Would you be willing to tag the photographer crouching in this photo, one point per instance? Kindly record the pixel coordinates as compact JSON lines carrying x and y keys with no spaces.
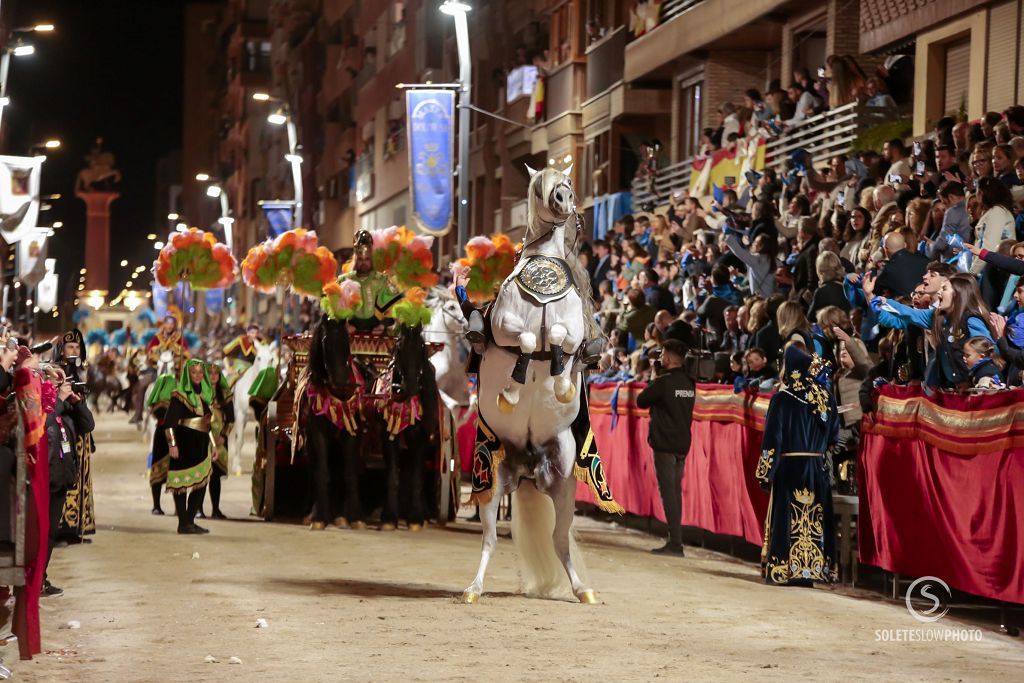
{"x":670,"y":397}
{"x":78,"y":517}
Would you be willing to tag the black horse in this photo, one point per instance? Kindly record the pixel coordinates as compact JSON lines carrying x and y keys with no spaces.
{"x":332,"y":449}
{"x":412,"y":376}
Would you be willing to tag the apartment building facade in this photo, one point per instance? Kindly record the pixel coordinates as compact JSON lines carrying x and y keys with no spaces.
{"x":581,"y":85}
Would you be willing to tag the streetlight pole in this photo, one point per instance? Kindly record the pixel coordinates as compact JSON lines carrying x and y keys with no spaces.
{"x":458,"y":10}
{"x":283,"y":117}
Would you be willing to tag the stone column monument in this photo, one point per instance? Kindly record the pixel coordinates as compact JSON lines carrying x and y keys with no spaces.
{"x":97,"y":187}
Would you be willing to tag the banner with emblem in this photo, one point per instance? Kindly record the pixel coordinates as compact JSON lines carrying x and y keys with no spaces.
{"x":279,"y":216}
{"x":46,"y":290}
{"x":430,"y":122}
{"x":32,"y":257}
{"x":19,"y":196}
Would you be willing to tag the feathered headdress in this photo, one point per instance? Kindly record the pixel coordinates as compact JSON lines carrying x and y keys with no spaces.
{"x":341,"y":299}
{"x":195,"y":257}
{"x":293,"y":259}
{"x":490,"y":260}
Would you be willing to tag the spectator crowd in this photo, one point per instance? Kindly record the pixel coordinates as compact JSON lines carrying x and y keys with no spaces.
{"x":901,"y":265}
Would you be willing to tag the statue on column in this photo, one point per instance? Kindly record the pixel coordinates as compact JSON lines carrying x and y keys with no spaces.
{"x":99,"y":175}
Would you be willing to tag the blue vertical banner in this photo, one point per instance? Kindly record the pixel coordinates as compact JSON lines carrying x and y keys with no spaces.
{"x":430,"y":121}
{"x":214,"y":301}
{"x":163,"y":299}
{"x":278,"y":215}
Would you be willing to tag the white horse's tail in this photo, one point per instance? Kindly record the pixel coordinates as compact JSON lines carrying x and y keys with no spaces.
{"x":533,"y":524}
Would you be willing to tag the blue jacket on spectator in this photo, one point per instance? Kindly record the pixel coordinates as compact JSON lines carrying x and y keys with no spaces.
{"x":954,"y":222}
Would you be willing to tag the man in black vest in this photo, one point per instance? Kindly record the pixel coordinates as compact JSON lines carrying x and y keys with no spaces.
{"x":670,"y":398}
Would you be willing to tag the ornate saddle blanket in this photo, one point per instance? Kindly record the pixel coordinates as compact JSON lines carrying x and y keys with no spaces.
{"x":544,"y":278}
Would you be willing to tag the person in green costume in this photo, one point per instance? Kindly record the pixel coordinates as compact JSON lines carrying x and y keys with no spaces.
{"x":187,"y":428}
{"x":378,"y":293}
{"x":159,"y":456}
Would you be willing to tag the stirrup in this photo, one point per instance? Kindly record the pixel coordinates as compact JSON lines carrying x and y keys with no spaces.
{"x":519,"y":372}
{"x":591,"y":353}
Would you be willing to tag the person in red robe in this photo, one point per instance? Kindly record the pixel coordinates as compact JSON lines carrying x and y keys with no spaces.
{"x":33,"y":395}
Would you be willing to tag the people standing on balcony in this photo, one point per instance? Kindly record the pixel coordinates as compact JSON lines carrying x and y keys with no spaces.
{"x":805,"y":103}
{"x":876,"y":96}
{"x":762,"y":111}
{"x":846,"y":79}
{"x":728,"y":124}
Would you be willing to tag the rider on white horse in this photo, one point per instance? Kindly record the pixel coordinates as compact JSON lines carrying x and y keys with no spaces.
{"x":533,"y":431}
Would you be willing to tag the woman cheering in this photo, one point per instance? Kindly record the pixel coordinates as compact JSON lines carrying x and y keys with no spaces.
{"x":187,"y":428}
{"x":222,"y":419}
{"x":801,"y":424}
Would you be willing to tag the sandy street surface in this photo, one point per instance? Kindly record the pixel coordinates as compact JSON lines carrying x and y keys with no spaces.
{"x":372,"y":606}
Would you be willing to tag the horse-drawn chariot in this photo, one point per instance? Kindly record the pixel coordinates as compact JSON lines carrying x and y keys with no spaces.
{"x":368,"y":454}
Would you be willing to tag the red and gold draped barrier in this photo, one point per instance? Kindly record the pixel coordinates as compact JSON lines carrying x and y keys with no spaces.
{"x":941,"y":489}
{"x":720,"y":493}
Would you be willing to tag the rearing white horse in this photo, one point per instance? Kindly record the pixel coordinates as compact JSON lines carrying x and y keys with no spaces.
{"x":538,"y":324}
{"x":266,"y":356}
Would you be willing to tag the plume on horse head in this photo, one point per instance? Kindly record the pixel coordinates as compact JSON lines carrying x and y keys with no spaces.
{"x":551,"y":201}
{"x":329,"y":353}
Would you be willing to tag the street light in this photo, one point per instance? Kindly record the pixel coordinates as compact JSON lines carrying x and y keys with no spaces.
{"x":261,"y":96}
{"x":278,"y":118}
{"x":52,"y":144}
{"x":43,"y":28}
{"x":17,"y":49}
{"x":458,"y":10}
{"x":172,"y":216}
{"x":23,"y":50}
{"x":293,"y":158}
{"x":213,"y":191}
{"x":201,"y":177}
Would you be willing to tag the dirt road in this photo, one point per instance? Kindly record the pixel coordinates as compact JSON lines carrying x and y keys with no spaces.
{"x":372,"y":606}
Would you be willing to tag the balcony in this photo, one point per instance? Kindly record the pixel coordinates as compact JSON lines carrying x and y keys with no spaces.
{"x":824,"y":136}
{"x":689,"y":25}
{"x":606,"y":61}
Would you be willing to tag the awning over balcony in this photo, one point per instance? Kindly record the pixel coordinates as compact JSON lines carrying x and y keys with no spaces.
{"x":697,"y":28}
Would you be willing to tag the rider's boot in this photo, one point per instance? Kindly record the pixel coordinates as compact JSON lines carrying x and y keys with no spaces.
{"x":591,"y":355}
{"x":476,"y":334}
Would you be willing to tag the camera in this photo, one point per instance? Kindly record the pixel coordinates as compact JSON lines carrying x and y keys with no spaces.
{"x":920,"y":167}
{"x":80,"y":388}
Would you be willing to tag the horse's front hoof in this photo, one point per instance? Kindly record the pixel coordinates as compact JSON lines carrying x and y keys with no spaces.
{"x":566,"y":395}
{"x":340,"y":522}
{"x":358,"y":526}
{"x":415,"y":527}
{"x":387,"y":526}
{"x":587,"y":597}
{"x":470,"y":598}
{"x":504,"y":405}
{"x":317,"y":526}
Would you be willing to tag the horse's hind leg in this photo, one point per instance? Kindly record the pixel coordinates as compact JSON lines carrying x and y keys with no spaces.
{"x":489,"y":522}
{"x":389,"y":516}
{"x":563,"y":495}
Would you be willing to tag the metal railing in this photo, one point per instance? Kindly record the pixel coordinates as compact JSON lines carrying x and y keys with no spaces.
{"x":823,"y":135}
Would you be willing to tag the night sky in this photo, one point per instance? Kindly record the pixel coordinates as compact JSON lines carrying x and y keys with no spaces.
{"x":113,"y":69}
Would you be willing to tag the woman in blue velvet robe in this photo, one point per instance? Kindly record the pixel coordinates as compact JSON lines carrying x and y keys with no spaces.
{"x":801,"y":423}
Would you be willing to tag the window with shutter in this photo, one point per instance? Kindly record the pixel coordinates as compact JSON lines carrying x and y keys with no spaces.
{"x":958,"y":63}
{"x":1002,"y":57}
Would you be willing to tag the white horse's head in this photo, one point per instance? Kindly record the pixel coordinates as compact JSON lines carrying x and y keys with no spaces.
{"x":551,"y":199}
{"x":266,"y":354}
{"x":165,"y":362}
{"x":446,"y":322}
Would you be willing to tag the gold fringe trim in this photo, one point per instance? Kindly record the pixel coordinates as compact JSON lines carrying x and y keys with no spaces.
{"x":610,"y":506}
{"x":484,"y":497}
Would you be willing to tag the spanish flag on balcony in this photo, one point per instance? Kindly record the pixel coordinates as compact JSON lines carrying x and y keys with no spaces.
{"x":727,"y":168}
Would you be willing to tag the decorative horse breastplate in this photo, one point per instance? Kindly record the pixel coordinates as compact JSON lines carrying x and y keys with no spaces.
{"x":544,"y":278}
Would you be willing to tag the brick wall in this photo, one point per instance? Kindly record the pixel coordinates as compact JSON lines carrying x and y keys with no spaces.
{"x":727,"y":75}
{"x":844,"y":34}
